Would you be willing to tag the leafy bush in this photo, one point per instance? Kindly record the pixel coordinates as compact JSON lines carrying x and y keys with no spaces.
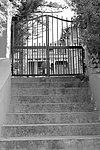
{"x":88,"y":16}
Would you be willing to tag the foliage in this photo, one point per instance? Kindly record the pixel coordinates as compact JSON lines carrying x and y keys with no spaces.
{"x":88,"y":16}
{"x":82,"y":77}
{"x":94,"y":63}
{"x":24,"y":8}
{"x":65,"y":35}
{"x":28,"y":7}
{"x":31,"y":9}
{"x":7,"y":7}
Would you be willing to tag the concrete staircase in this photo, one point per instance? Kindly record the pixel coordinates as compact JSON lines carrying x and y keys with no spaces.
{"x":50,"y":113}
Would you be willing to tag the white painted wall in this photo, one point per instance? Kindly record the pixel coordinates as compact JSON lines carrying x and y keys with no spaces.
{"x":94,"y":80}
{"x":3,"y":44}
{"x":5,"y":70}
{"x":5,"y":89}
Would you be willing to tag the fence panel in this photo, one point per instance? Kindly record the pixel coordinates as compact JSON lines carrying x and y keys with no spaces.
{"x":46,"y":45}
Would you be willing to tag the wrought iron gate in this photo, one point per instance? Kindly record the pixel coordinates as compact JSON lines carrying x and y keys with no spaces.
{"x":46,"y":45}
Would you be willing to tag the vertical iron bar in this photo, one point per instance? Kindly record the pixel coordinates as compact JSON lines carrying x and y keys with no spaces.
{"x":47,"y":45}
{"x":53,"y":62}
{"x":56,"y":55}
{"x":72,"y":33}
{"x":37,"y":45}
{"x":12,"y":46}
{"x":42,"y":30}
{"x":67,"y":34}
{"x":22,"y":50}
{"x":18,"y":67}
{"x":62,"y":45}
{"x":13,"y":33}
{"x":73,"y":61}
{"x":60,"y":55}
{"x":62,"y":31}
{"x":77,"y":34}
{"x":58,"y":58}
{"x":35,"y":57}
{"x":12,"y":67}
{"x":32,"y":65}
{"x":44,"y":53}
{"x":63,"y":59}
{"x":79,"y":60}
{"x":68,"y":61}
{"x":57,"y":32}
{"x":83,"y":57}
{"x":40,"y":54}
{"x":57,"y":45}
{"x":42,"y":39}
{"x":27,"y":56}
{"x":52,"y":32}
{"x":27,"y":49}
{"x":16,"y":61}
{"x":32,"y":31}
{"x":53,"y":44}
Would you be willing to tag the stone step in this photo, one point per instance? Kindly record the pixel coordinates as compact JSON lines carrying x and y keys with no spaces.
{"x":50,"y":113}
{"x":49,"y":91}
{"x":50,"y":84}
{"x":50,"y":107}
{"x":60,"y":143}
{"x":44,"y":79}
{"x":43,"y":130}
{"x":51,"y":118}
{"x":50,"y":98}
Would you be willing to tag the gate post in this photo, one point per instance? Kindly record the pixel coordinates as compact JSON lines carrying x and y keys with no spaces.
{"x":47,"y":45}
{"x":12,"y":46}
{"x":83,"y":58}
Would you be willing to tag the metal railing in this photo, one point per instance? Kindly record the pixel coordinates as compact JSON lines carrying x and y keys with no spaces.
{"x":61,"y":60}
{"x":46,"y":45}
